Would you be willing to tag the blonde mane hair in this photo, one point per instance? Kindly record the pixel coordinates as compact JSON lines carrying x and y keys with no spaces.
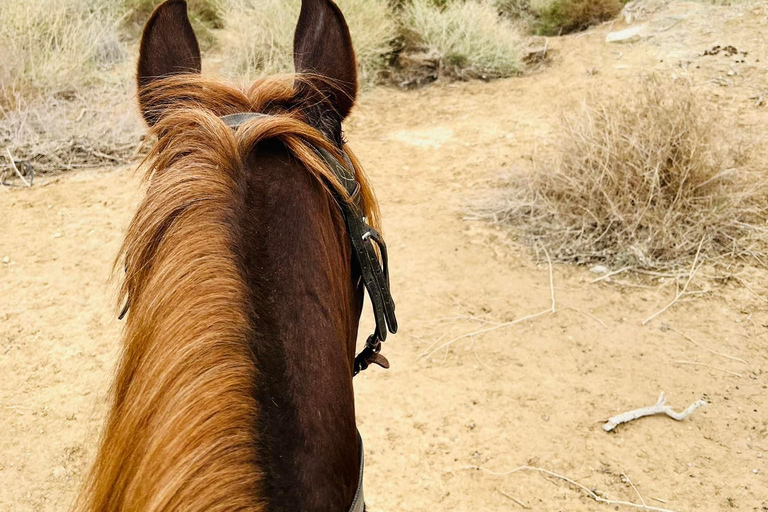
{"x":181,"y":431}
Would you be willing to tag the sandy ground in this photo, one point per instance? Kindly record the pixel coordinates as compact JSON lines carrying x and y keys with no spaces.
{"x":534,"y":393}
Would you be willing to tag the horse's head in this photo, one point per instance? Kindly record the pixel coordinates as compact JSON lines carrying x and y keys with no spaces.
{"x":245,"y":266}
{"x":326,"y":84}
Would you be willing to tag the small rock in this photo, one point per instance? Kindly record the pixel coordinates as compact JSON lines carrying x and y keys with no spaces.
{"x":57,"y":235}
{"x":755,"y":471}
{"x":628,"y":35}
{"x":6,"y":259}
{"x":599,"y":269}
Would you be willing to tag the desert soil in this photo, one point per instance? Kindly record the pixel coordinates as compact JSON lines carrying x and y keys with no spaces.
{"x":531,"y":394}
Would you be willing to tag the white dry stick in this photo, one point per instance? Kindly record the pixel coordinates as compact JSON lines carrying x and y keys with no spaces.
{"x":661,"y":407}
{"x":609,"y":274}
{"x":13,"y":165}
{"x":551,"y":279}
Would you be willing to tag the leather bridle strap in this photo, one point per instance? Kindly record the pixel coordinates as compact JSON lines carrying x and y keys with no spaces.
{"x":358,"y":502}
{"x":374,"y":272}
{"x":367,"y":245}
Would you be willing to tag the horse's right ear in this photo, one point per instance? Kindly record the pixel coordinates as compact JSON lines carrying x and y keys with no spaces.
{"x":323,"y":53}
{"x":168,"y":47}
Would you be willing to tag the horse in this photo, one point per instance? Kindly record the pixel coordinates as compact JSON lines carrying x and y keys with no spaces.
{"x":245,"y":269}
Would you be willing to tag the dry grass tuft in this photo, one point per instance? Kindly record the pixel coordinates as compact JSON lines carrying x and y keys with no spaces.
{"x":642,"y":181}
{"x":49,"y":48}
{"x":259,"y":36}
{"x":469,"y":37}
{"x":62,"y":94}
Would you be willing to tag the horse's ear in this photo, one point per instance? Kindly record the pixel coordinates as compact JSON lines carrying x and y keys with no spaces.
{"x":322,"y":51}
{"x":168,"y":47}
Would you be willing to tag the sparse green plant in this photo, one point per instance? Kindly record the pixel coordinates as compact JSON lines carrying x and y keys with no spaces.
{"x":643,"y":179}
{"x":557,"y":17}
{"x":470,"y":37}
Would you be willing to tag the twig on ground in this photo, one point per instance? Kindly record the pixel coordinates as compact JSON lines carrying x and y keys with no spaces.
{"x":659,"y":408}
{"x":633,"y":487}
{"x":551,"y":278}
{"x":487,"y":329}
{"x":609,"y":274}
{"x":679,"y":293}
{"x":590,"y":315}
{"x":707,"y":348}
{"x":519,"y":502}
{"x":13,"y":166}
{"x":746,"y":285}
{"x":693,"y":363}
{"x":550,"y":310}
{"x":588,"y":491}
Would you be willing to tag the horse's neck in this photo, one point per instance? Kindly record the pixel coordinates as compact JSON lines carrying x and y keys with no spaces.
{"x":304,"y":314}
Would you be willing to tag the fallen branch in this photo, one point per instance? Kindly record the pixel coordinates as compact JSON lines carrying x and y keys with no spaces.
{"x":659,"y":408}
{"x":592,"y":494}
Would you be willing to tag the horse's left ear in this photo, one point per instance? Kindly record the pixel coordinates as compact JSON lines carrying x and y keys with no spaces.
{"x":323,"y":52}
{"x":168,"y":47}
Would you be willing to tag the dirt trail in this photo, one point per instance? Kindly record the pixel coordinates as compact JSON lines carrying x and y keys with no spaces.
{"x":535,"y":393}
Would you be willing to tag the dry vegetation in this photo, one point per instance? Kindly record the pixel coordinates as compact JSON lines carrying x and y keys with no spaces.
{"x":65,"y":65}
{"x":645,"y":179}
{"x":470,"y":39}
{"x":556,"y":17}
{"x":259,"y":38}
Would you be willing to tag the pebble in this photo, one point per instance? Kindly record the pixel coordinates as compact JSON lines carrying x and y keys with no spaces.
{"x":6,"y":259}
{"x":755,"y":471}
{"x":57,"y":235}
{"x":599,"y":269}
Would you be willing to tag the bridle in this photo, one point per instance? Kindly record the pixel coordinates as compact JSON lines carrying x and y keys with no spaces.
{"x":365,"y":242}
{"x":374,"y":270}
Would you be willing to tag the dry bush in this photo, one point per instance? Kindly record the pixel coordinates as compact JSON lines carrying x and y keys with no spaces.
{"x":557,"y":17}
{"x":53,"y":135}
{"x":469,"y":37}
{"x":47,"y":47}
{"x":258,"y":39}
{"x":641,"y":180}
{"x":59,"y":87}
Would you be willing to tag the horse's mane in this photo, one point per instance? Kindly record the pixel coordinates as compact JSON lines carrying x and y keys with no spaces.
{"x":180,"y":435}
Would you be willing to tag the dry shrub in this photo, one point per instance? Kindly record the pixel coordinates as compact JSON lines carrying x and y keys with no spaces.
{"x":469,"y":37}
{"x":62,"y":95}
{"x":48,"y":46}
{"x":52,"y":135}
{"x":557,"y":17}
{"x":258,"y":39}
{"x":642,"y":180}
